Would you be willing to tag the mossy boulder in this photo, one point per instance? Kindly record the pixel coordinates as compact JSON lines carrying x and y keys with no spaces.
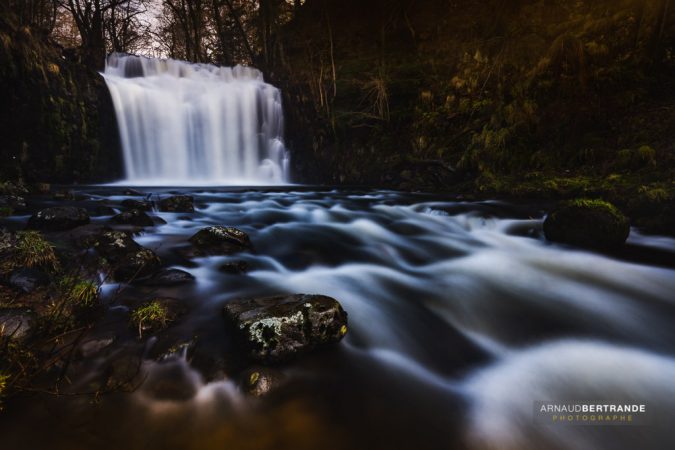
{"x":587,"y":223}
{"x":58,"y":218}
{"x":143,"y":205}
{"x":127,"y":259}
{"x":135,"y":217}
{"x":219,"y":240}
{"x":276,"y":329}
{"x":177,"y":203}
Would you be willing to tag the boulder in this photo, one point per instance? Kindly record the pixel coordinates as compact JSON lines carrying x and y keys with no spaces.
{"x":177,"y":203}
{"x":169,"y":277}
{"x":131,"y":192}
{"x":587,"y":223}
{"x":143,"y":205}
{"x":12,"y":201}
{"x":276,"y":329}
{"x":234,"y":267}
{"x":219,"y":240}
{"x":64,"y":195}
{"x":17,"y":323}
{"x":103,"y":210}
{"x":58,"y":218}
{"x":135,"y":217}
{"x":127,"y":259}
{"x":27,"y":280}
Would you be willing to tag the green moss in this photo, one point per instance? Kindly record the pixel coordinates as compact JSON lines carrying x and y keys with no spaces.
{"x":150,"y":316}
{"x":595,"y":204}
{"x":647,"y":154}
{"x":6,"y":211}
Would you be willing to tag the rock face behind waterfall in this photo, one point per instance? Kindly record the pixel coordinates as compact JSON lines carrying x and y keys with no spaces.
{"x":276,"y":329}
{"x":587,"y":223}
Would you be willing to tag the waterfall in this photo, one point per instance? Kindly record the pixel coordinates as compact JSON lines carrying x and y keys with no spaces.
{"x":196,"y":124}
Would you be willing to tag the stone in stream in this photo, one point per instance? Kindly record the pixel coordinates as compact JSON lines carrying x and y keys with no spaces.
{"x":64,"y":194}
{"x":143,"y":205}
{"x":58,"y":218}
{"x":219,"y":240}
{"x":169,"y":277}
{"x":276,"y":329}
{"x":12,"y":201}
{"x":28,"y":280}
{"x":17,"y":323}
{"x":234,"y":267}
{"x":177,"y":203}
{"x":103,"y":210}
{"x":128,"y":260}
{"x":134,"y":217}
{"x":587,"y":223}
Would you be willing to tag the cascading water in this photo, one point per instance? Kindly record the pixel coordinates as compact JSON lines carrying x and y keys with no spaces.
{"x":196,"y":124}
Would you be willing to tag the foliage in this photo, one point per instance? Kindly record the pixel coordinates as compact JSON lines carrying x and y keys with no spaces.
{"x":4,"y":378}
{"x":150,"y":316}
{"x":33,"y":250}
{"x":79,"y":292}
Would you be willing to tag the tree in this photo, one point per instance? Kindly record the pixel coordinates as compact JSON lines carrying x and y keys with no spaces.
{"x":105,"y":25}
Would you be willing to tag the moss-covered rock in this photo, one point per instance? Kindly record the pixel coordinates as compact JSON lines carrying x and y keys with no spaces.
{"x":127,"y":259}
{"x":59,"y":218}
{"x":219,"y":240}
{"x":177,"y":203}
{"x":587,"y":223}
{"x":134,"y":217}
{"x":275,"y":329}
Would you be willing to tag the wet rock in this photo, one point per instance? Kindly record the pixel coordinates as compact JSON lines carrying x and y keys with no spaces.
{"x":275,"y":329}
{"x":234,"y":267}
{"x":58,"y":218}
{"x":94,"y":346}
{"x":64,"y":195}
{"x":27,"y":280}
{"x":131,"y":192}
{"x":135,"y":217}
{"x":587,"y":223}
{"x":177,"y":203}
{"x":260,"y":381}
{"x":169,"y":277}
{"x":128,"y":260}
{"x":12,"y":201}
{"x":17,"y":323}
{"x":103,"y":210}
{"x":143,"y":205}
{"x":85,"y":236}
{"x":219,"y":240}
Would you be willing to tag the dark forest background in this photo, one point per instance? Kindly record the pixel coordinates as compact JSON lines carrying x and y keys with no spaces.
{"x":535,"y":98}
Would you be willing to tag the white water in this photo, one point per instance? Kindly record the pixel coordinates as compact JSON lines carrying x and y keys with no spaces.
{"x":196,"y":124}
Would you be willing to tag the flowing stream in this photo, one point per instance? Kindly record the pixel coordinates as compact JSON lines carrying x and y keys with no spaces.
{"x":461,"y":317}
